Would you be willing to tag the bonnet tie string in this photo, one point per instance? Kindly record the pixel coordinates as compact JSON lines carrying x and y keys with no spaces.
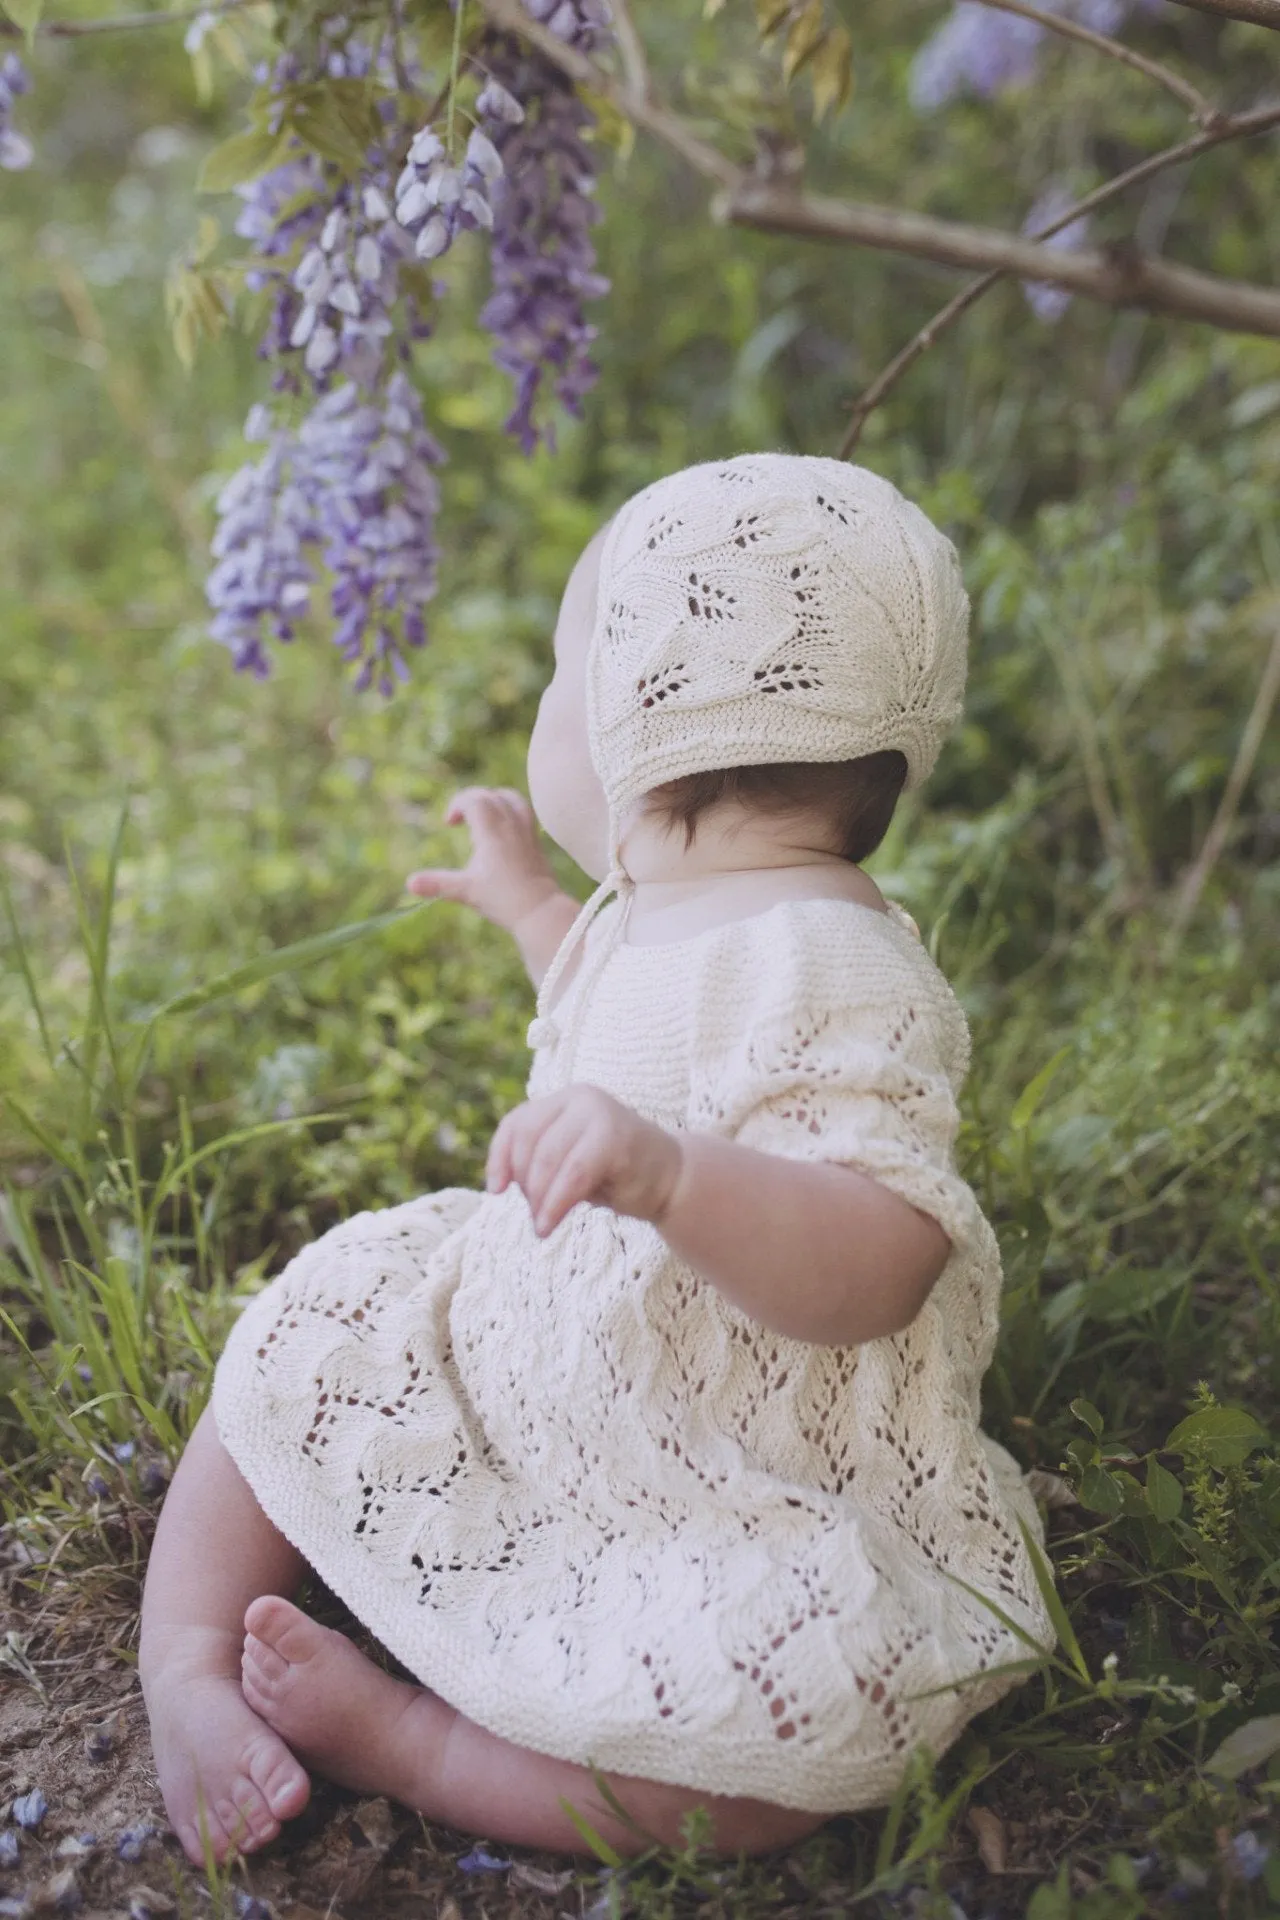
{"x":544,"y":1030}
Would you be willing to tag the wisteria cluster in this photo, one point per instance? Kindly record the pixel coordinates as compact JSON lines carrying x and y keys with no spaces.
{"x":1046,"y":301}
{"x":16,"y":150}
{"x":981,"y":50}
{"x":544,"y":264}
{"x":351,"y":485}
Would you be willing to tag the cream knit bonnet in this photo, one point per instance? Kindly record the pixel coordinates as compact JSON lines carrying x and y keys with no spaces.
{"x":772,"y":607}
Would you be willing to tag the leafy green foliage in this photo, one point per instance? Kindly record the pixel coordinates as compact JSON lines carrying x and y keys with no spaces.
{"x":1112,"y":486}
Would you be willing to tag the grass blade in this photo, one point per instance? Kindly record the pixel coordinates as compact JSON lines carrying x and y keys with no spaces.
{"x":24,"y":968}
{"x":601,"y":1848}
{"x":302,"y":953}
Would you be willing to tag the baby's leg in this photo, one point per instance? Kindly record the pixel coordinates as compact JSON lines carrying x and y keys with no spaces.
{"x":367,"y":1730}
{"x":214,"y":1552}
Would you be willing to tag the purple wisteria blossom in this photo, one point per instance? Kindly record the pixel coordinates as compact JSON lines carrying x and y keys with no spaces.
{"x":1048,"y":302}
{"x":436,"y":201}
{"x":346,"y":484}
{"x":980,"y":50}
{"x":16,"y":151}
{"x":544,"y":208}
{"x":347,"y":283}
{"x":283,"y":210}
{"x":349,"y":485}
{"x":368,"y":467}
{"x":262,"y":579}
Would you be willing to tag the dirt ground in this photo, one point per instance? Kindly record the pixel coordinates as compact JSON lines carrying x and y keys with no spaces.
{"x":73,"y":1729}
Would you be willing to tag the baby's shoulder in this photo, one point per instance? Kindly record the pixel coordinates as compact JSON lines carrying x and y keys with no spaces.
{"x":830,"y":965}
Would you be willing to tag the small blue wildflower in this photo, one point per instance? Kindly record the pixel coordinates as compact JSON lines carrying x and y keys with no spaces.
{"x":16,"y":151}
{"x":1248,"y":1855}
{"x":247,"y":1908}
{"x":96,"y":1484}
{"x":124,"y":1450}
{"x":478,"y":1861}
{"x":29,"y":1809}
{"x":131,"y":1842}
{"x":8,"y":1848}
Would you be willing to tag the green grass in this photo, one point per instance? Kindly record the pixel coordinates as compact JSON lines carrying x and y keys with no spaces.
{"x":202,"y":1066}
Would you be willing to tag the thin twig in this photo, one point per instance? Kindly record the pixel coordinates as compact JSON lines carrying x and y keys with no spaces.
{"x":1203,"y":111}
{"x":1257,"y":13}
{"x":869,"y":400}
{"x":635,"y":67}
{"x":1251,"y":739}
{"x":122,"y":22}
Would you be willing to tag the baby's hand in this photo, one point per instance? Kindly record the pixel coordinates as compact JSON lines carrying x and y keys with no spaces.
{"x":582,"y":1144}
{"x":507,"y":873}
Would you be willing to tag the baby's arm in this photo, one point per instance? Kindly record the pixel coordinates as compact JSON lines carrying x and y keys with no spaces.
{"x":507,"y":878}
{"x":819,"y":1252}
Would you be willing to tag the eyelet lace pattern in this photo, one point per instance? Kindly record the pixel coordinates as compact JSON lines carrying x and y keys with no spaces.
{"x":777,"y":607}
{"x":598,"y":1508}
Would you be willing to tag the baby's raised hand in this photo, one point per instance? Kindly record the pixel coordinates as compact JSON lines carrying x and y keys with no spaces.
{"x":582,"y":1144}
{"x":507,"y":874}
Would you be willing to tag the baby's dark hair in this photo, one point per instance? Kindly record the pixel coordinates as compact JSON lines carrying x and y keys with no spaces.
{"x":857,"y":796}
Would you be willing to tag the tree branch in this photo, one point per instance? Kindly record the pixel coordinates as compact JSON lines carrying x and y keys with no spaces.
{"x":1258,"y":13}
{"x":1203,"y":111}
{"x":967,"y":297}
{"x":119,"y":22}
{"x":631,"y":52}
{"x":1118,"y":275}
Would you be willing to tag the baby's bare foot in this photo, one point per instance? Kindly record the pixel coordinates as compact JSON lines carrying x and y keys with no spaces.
{"x":218,"y":1762}
{"x":344,"y":1716}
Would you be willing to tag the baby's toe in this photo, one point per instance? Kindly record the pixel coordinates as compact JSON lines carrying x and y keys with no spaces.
{"x":262,"y":1663}
{"x":283,"y":1629}
{"x":244,"y":1814}
{"x":211,"y":1834}
{"x":280,"y":1780}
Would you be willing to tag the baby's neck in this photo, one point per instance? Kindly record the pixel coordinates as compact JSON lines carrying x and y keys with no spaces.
{"x":734,"y":868}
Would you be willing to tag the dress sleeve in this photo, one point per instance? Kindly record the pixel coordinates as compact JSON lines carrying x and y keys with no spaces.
{"x":855,"y":1054}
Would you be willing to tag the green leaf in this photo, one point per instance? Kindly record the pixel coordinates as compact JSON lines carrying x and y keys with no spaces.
{"x":25,"y":14}
{"x":803,"y":39}
{"x":1251,"y":1745}
{"x":1086,"y":1411}
{"x":1222,"y":1436}
{"x":770,"y":15}
{"x":1043,"y":1572}
{"x":831,"y":73}
{"x":1035,"y":1089}
{"x":1121,"y":1294}
{"x":1052,"y":1900}
{"x":241,"y":158}
{"x":1164,"y":1492}
{"x":302,"y":953}
{"x":1099,"y":1491}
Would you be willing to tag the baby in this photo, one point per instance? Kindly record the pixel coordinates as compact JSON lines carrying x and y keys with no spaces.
{"x":662,"y":1455}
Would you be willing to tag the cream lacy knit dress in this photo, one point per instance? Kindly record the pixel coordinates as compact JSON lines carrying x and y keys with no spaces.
{"x":595,"y":1506}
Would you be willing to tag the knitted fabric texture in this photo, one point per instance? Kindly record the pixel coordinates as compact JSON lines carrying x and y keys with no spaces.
{"x":773,"y":607}
{"x":595,"y":1506}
